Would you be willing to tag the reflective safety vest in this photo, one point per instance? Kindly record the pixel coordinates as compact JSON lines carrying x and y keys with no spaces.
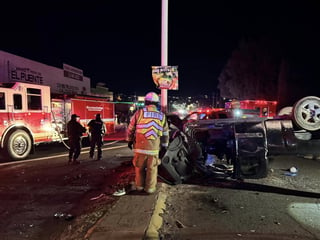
{"x":148,"y":129}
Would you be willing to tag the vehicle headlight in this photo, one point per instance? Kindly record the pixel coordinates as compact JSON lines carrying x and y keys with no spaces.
{"x":237,"y":113}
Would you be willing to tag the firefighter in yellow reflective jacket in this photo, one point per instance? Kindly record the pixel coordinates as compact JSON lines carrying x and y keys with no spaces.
{"x":148,"y":132}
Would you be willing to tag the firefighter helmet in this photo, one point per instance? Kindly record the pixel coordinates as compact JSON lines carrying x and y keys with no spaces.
{"x":151,"y":97}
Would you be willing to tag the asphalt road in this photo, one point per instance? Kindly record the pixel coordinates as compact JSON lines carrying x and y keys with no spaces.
{"x":33,"y":192}
{"x":276,"y":207}
{"x":45,"y":198}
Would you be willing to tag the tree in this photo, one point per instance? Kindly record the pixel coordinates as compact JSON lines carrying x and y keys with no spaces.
{"x":252,"y":71}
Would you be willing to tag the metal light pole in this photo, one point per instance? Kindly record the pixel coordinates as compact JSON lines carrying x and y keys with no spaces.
{"x":164,"y":50}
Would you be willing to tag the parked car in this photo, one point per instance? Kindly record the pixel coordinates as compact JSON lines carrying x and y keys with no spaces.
{"x":241,"y":148}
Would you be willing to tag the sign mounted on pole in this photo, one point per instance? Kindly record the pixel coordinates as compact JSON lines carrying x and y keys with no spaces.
{"x":165,"y":77}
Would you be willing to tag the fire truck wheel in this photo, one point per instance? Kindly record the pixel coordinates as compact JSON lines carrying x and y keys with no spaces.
{"x":306,"y":113}
{"x":18,"y":145}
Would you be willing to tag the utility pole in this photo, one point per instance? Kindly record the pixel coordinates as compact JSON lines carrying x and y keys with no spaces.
{"x":164,"y":51}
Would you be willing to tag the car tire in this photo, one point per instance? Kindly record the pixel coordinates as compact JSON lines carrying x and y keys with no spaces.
{"x":306,"y":113}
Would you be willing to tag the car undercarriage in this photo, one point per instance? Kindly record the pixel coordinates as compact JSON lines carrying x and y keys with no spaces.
{"x":239,"y":148}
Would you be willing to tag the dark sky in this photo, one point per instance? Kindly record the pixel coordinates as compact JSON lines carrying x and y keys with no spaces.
{"x":117,"y":42}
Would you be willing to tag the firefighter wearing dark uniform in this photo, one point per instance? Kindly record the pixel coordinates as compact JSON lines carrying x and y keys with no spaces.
{"x":148,"y":131}
{"x":75,"y":131}
{"x":97,"y":130}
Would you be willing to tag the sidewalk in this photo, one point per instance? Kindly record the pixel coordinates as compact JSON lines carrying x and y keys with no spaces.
{"x":133,"y":217}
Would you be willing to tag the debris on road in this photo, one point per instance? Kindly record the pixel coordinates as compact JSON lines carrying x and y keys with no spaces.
{"x":66,"y":216}
{"x":180,"y":224}
{"x":100,"y":196}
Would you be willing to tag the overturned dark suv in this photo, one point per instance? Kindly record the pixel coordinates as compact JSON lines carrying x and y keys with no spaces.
{"x":239,"y":148}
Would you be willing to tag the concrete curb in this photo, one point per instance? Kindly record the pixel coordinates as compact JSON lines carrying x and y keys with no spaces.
{"x":134,"y":217}
{"x":156,"y":219}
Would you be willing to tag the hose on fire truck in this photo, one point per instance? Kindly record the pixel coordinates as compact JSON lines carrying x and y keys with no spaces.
{"x":59,"y":131}
{"x":61,"y":138}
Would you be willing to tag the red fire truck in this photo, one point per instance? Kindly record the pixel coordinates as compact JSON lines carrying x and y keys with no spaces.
{"x":30,"y":115}
{"x":252,"y":108}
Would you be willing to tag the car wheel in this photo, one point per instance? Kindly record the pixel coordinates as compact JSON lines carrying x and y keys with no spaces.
{"x":177,"y":163}
{"x":306,"y":113}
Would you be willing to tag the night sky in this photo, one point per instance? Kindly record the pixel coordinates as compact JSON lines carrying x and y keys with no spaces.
{"x":117,"y":42}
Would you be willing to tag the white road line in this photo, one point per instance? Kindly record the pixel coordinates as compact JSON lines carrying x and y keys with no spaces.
{"x":57,"y":156}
